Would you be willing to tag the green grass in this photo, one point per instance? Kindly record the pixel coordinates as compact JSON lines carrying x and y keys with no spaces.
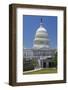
{"x":43,"y":71}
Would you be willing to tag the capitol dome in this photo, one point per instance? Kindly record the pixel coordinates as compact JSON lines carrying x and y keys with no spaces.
{"x":41,"y":40}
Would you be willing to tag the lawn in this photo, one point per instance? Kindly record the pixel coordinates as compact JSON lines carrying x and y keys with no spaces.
{"x":42,"y":71}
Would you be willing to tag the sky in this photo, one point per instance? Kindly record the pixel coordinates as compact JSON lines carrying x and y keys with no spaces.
{"x":32,"y":23}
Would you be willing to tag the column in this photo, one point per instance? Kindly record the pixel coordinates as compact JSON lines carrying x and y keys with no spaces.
{"x":47,"y":64}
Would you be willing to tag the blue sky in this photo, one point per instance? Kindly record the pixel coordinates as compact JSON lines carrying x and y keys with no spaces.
{"x":31,"y":23}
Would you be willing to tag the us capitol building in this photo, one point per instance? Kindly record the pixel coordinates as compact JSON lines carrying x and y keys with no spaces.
{"x":41,"y":50}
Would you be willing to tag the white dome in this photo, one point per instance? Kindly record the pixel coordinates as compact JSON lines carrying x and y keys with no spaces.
{"x":41,"y":38}
{"x":41,"y":28}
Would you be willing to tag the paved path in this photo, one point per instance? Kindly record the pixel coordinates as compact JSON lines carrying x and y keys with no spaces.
{"x":32,"y":70}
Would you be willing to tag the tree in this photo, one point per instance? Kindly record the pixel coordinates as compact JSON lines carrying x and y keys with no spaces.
{"x":27,"y":65}
{"x":34,"y":62}
{"x":55,"y":59}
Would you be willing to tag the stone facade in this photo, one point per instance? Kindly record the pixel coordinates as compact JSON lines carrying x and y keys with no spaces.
{"x":43,"y":57}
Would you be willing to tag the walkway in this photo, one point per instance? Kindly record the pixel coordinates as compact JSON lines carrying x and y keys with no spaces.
{"x":32,"y":70}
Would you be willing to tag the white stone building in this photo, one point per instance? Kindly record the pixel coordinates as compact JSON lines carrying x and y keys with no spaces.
{"x":41,"y":50}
